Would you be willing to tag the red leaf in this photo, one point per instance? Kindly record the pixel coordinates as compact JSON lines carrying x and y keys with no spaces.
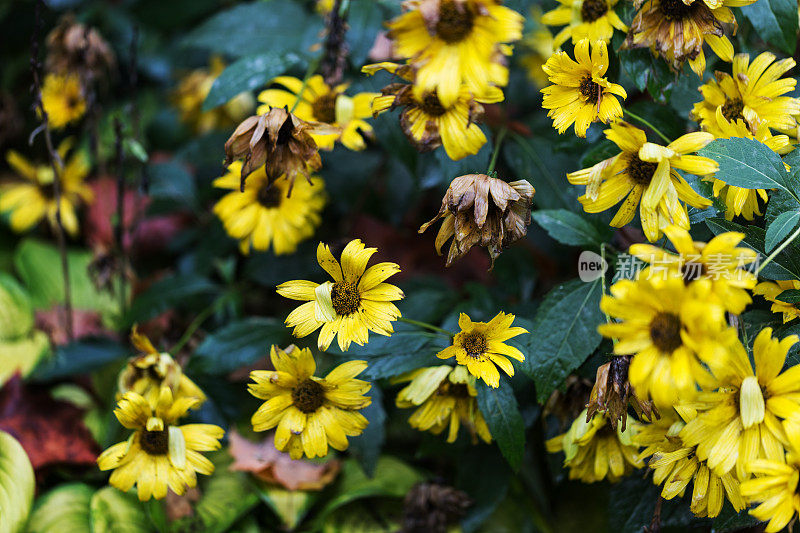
{"x":84,"y":324}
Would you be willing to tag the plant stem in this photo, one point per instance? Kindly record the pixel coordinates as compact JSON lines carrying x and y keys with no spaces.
{"x":778,"y":250}
{"x":312,"y":67}
{"x":425,"y":325}
{"x":498,"y":142}
{"x":646,"y":123}
{"x":196,"y":323}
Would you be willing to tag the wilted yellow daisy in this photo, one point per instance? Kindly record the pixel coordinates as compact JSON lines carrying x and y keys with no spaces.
{"x":151,"y":370}
{"x":62,"y":98}
{"x":159,"y":454}
{"x":456,"y":41}
{"x":445,"y":398}
{"x":594,"y":451}
{"x":320,"y":102}
{"x":775,"y":488}
{"x":580,"y":93}
{"x":34,"y":199}
{"x":648,"y":172}
{"x":720,"y":261}
{"x":740,"y":422}
{"x":771,"y":291}
{"x":584,"y":19}
{"x":356,"y":302}
{"x":675,"y":465}
{"x":309,"y":413}
{"x":279,"y":215}
{"x":754,"y":93}
{"x":738,"y":200}
{"x":191,"y":92}
{"x":669,"y":327}
{"x":481,"y":348}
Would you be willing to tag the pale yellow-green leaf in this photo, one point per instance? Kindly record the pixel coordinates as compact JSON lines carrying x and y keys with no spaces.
{"x":16,"y":311}
{"x":16,"y":485}
{"x":64,"y":509}
{"x":22,"y":355}
{"x":118,"y":512}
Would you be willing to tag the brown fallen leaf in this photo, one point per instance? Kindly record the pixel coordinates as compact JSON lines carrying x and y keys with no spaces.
{"x":181,"y":506}
{"x":268,"y":464}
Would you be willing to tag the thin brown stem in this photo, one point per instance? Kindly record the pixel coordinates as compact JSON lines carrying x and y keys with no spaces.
{"x":119,"y":223}
{"x":334,"y":59}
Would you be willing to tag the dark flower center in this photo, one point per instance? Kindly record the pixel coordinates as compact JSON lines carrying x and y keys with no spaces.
{"x":474,"y":344}
{"x":676,"y":9}
{"x":155,"y":442}
{"x":324,"y":108}
{"x":269,"y":196}
{"x":455,"y":22}
{"x":589,"y":90}
{"x":693,"y":270}
{"x":592,"y":10}
{"x":285,"y":132}
{"x":73,"y":101}
{"x":308,"y":396}
{"x":431,"y":105}
{"x":345,"y":298}
{"x":665,"y":331}
{"x":641,"y":171}
{"x":732,"y":109}
{"x":456,"y":390}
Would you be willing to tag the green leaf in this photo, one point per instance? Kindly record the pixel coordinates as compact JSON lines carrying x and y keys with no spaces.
{"x":16,"y":484}
{"x":290,"y":505}
{"x":177,"y":290}
{"x":64,"y":509}
{"x":247,"y":74}
{"x":238,"y":344}
{"x":365,"y":20}
{"x":135,"y":148}
{"x":499,"y":408}
{"x":790,"y":296}
{"x":80,"y":357}
{"x":775,"y":21}
{"x":730,"y":520}
{"x":173,"y":182}
{"x":780,"y":228}
{"x":227,"y":496}
{"x":22,"y":355}
{"x":564,"y":334}
{"x":570,"y":228}
{"x":747,"y":163}
{"x":632,"y":502}
{"x":114,"y":511}
{"x":16,"y":310}
{"x":366,"y":448}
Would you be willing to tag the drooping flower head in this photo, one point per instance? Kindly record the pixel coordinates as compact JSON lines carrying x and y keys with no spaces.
{"x":771,"y":291}
{"x":308,"y":412}
{"x":754,"y":93}
{"x":612,"y":394}
{"x":670,"y":328}
{"x":74,"y":47}
{"x":481,"y":210}
{"x":266,"y":215}
{"x":455,"y":42}
{"x":357,"y":301}
{"x":319,"y":102}
{"x":740,"y":421}
{"x":481,"y":348}
{"x":63,"y":99}
{"x":444,"y":398}
{"x":580,"y":93}
{"x":151,"y":370}
{"x":584,"y":19}
{"x":159,"y":454}
{"x":720,"y":261}
{"x":33,"y":199}
{"x":645,"y":174}
{"x":594,"y":450}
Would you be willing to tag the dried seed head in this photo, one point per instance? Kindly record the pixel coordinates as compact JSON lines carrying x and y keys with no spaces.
{"x":612,"y":393}
{"x":479,"y":209}
{"x":73,"y":47}
{"x":433,"y":507}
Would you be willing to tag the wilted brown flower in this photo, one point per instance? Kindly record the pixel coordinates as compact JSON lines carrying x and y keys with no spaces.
{"x":73,"y":47}
{"x":281,"y":141}
{"x":471,"y":217}
{"x":612,"y":393}
{"x":433,"y":507}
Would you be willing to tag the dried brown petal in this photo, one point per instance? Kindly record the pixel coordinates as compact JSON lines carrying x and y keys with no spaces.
{"x":612,"y":393}
{"x":73,"y":47}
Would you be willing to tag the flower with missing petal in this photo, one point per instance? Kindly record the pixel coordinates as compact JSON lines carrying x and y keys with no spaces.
{"x":479,"y":209}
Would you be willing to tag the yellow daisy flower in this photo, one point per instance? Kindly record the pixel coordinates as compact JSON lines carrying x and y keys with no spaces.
{"x":279,"y":215}
{"x":33,"y":199}
{"x":775,"y":489}
{"x":356,"y":302}
{"x":191,"y":92}
{"x":62,"y":98}
{"x":159,"y":454}
{"x":738,"y":200}
{"x":151,"y":370}
{"x":320,"y":102}
{"x":753,"y":94}
{"x":445,"y":398}
{"x":481,"y":348}
{"x":580,"y":93}
{"x":675,"y":465}
{"x":594,"y":451}
{"x":740,"y":422}
{"x":719,"y":261}
{"x":648,"y":172}
{"x":771,"y":291}
{"x":309,"y":413}
{"x":584,"y":19}
{"x":456,"y":41}
{"x":669,"y":327}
